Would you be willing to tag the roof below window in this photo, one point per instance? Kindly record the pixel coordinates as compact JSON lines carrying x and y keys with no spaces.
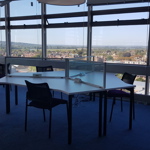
{"x":106,"y":2}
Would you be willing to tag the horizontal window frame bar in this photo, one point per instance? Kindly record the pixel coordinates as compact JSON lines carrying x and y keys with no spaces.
{"x":121,"y":22}
{"x":81,"y":14}
{"x":58,"y":25}
{"x":67,"y":15}
{"x":48,"y":16}
{"x":83,"y":24}
{"x":120,"y":11}
{"x":116,"y":3}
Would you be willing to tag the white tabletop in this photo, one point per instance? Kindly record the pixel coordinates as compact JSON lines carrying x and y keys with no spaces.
{"x":59,"y":84}
{"x":91,"y":81}
{"x":112,"y":82}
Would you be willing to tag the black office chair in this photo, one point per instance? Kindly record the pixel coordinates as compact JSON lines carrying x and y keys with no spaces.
{"x":39,"y":96}
{"x":44,"y":68}
{"x":2,"y":70}
{"x":127,"y":78}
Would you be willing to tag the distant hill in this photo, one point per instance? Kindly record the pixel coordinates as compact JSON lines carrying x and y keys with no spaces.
{"x":20,"y":45}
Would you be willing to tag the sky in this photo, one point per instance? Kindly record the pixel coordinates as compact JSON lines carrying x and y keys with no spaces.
{"x":116,"y":35}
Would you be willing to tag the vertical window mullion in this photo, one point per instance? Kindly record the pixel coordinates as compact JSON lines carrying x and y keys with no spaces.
{"x":43,"y":14}
{"x":89,"y":31}
{"x":7,"y":30}
{"x":148,"y":60}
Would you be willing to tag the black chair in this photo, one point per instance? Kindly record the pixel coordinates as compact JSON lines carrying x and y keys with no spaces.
{"x":2,"y":70}
{"x":127,"y":78}
{"x":44,"y":68}
{"x":39,"y":96}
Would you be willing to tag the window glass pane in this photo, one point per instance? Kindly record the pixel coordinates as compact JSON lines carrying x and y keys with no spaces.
{"x":66,"y":42}
{"x":2,"y":15}
{"x":2,"y":43}
{"x":140,"y":84}
{"x":25,"y":8}
{"x":2,"y":12}
{"x":26,"y":43}
{"x":103,"y":7}
{"x":54,"y":9}
{"x":21,"y":68}
{"x":127,"y":16}
{"x":122,"y":44}
{"x":67,"y":20}
{"x":26,"y":22}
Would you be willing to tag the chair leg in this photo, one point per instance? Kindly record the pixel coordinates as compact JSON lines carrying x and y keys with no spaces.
{"x":26,"y":109}
{"x":44,"y":115}
{"x":113,"y":103}
{"x":50,"y":123}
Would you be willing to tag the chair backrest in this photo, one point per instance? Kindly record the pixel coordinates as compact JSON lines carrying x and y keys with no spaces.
{"x":38,"y":92}
{"x":44,"y":68}
{"x":2,"y":70}
{"x":128,"y":78}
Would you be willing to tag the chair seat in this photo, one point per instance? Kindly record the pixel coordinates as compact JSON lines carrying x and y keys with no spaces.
{"x":47,"y":105}
{"x":117,"y":93}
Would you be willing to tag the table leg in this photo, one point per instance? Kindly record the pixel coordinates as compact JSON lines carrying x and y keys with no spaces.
{"x":100,"y":114}
{"x":16,"y":95}
{"x":131,"y":108}
{"x":70,"y":120}
{"x":7,"y":92}
{"x":105,"y":114}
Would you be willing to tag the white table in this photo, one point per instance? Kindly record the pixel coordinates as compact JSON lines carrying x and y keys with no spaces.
{"x":59,"y":83}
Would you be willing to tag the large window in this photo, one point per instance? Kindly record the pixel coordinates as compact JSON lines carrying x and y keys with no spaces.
{"x":70,"y":38}
{"x":121,"y":36}
{"x":120,"y":33}
{"x":25,"y":40}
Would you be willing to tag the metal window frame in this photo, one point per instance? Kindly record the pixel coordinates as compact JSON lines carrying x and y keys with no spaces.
{"x":89,"y":24}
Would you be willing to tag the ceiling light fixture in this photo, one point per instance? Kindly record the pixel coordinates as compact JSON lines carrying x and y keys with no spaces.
{"x":63,"y":2}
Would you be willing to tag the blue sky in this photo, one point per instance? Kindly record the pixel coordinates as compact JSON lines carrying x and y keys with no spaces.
{"x":118,"y":35}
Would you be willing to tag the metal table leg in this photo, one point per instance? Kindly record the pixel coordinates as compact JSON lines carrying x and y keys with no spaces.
{"x":100,"y":114}
{"x":70,"y":120}
{"x":105,"y":114}
{"x":7,"y":92}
